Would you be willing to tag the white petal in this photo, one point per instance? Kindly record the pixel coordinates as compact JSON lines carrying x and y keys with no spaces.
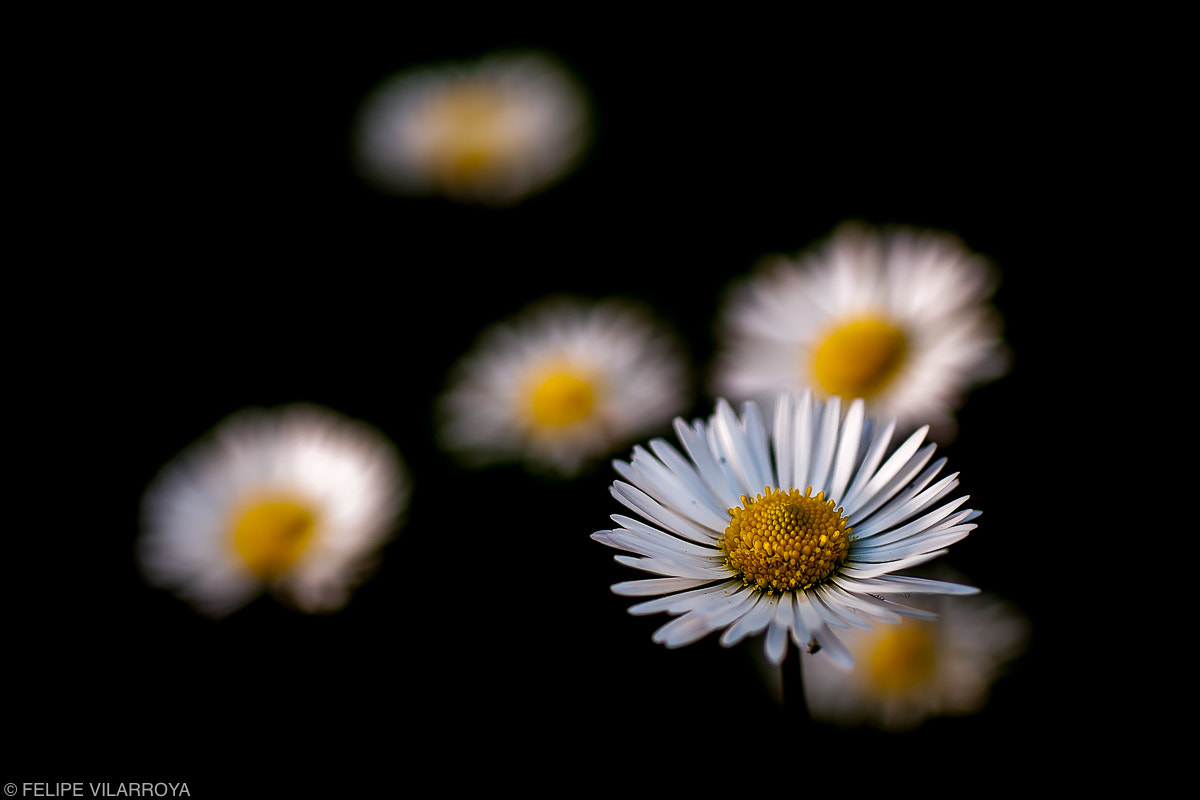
{"x":688,"y":601}
{"x":803,"y":426}
{"x":857,"y":571}
{"x":825,"y":447}
{"x":654,"y":586}
{"x":783,"y":439}
{"x":898,"y":491}
{"x":648,"y":474}
{"x":673,"y":567}
{"x":639,"y":501}
{"x":891,"y":468}
{"x":731,"y":438}
{"x":847,"y":451}
{"x":753,"y":621}
{"x":695,"y":442}
{"x":686,"y":473}
{"x":667,"y":540}
{"x":923,"y":543}
{"x":661,"y":546}
{"x":870,"y":462}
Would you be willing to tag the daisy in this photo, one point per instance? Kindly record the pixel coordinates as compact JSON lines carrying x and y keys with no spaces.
{"x":897,"y":317}
{"x":562,"y":383}
{"x":919,"y":669}
{"x":296,"y":501}
{"x":797,"y":532}
{"x":491,"y":131}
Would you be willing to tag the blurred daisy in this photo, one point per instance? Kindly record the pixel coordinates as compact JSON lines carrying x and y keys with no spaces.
{"x":563,"y":383}
{"x":898,"y":317}
{"x":918,"y":669}
{"x":296,"y":501}
{"x":491,"y":131}
{"x":797,"y":533}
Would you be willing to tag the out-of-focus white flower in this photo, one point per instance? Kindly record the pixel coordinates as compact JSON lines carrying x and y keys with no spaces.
{"x":797,"y":532}
{"x":296,"y":501}
{"x":492,"y":131}
{"x":899,"y":317}
{"x":919,"y":669}
{"x":562,"y":383}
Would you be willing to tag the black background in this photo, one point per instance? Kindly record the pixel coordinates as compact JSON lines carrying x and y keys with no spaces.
{"x":212,"y":249}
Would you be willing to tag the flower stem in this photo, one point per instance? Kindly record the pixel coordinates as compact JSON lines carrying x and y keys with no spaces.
{"x":793,"y":685}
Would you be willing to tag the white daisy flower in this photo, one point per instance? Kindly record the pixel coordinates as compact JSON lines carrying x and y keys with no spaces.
{"x":797,"y":532}
{"x":296,"y":501}
{"x":898,"y":317}
{"x":919,"y":669}
{"x":491,"y":131}
{"x":562,"y":383}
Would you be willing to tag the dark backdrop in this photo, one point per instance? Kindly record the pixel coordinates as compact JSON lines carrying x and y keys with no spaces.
{"x":216,"y":251}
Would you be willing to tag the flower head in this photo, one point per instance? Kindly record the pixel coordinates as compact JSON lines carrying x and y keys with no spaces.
{"x":797,"y":532}
{"x":898,"y":317}
{"x":562,"y":383}
{"x":296,"y":501}
{"x":919,"y":669}
{"x":491,"y":131}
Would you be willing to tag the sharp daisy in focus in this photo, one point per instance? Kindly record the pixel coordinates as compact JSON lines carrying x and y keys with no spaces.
{"x":919,"y":669}
{"x":491,"y":131}
{"x":563,"y":383}
{"x":798,"y":532}
{"x":295,"y":501}
{"x":899,"y":317}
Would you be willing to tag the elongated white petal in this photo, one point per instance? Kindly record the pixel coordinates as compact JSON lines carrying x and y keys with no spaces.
{"x":671,"y":566}
{"x":665,"y":539}
{"x":847,"y":450}
{"x":870,"y":463}
{"x":825,"y":446}
{"x":905,"y":548}
{"x":873,"y":493}
{"x":805,"y":435}
{"x":662,"y":546}
{"x":651,"y":477}
{"x":871,"y":518}
{"x":692,"y":599}
{"x":701,"y":493}
{"x":873,"y":570}
{"x":654,"y":586}
{"x":762,"y":471}
{"x":639,"y":501}
{"x":695,"y":442}
{"x":755,"y":620}
{"x":782,"y":439}
{"x":732,"y":440}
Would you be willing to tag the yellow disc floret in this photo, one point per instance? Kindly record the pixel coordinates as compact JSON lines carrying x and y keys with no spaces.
{"x":860,"y":358}
{"x":904,"y":657}
{"x":784,"y":541}
{"x":270,"y":535}
{"x":471,"y":132}
{"x":561,"y":398}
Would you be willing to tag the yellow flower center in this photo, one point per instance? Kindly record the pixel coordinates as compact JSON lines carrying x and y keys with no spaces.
{"x":904,"y":657}
{"x":561,"y":398}
{"x":860,"y":358}
{"x":471,"y":134}
{"x":270,"y":536}
{"x":784,"y":540}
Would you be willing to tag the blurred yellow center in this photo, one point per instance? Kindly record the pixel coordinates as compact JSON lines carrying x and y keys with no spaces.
{"x":860,"y":358}
{"x":270,"y":536}
{"x":562,"y":399}
{"x":469,"y":120}
{"x":784,"y":540}
{"x":904,"y":657}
